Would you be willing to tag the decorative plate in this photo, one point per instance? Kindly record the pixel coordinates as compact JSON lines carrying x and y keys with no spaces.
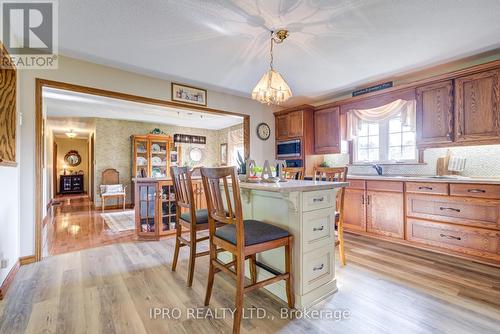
{"x":156,"y":161}
{"x":141,"y":161}
{"x":155,"y":148}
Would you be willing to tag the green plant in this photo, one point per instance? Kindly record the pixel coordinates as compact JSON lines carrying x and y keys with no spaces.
{"x":324,"y":164}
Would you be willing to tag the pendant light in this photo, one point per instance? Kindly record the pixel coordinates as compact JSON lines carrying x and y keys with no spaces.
{"x":272,"y":88}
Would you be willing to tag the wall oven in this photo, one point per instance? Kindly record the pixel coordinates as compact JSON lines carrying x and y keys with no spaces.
{"x":288,"y":149}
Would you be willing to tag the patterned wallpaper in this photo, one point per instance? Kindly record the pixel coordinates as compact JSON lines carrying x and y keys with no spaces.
{"x":113,"y":147}
{"x":481,"y":161}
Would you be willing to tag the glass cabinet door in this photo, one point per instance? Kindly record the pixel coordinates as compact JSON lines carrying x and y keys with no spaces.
{"x":174,"y":156}
{"x":159,"y":156}
{"x":147,"y":209}
{"x":141,"y":158}
{"x":167,"y":208}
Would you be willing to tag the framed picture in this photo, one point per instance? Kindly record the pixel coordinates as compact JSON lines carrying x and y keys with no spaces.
{"x":223,"y":154}
{"x":188,"y":94}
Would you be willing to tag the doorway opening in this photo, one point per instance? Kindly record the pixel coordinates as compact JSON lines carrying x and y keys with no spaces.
{"x":90,"y":144}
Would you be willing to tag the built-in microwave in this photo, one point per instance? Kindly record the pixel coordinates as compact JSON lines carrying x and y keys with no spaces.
{"x":288,"y":149}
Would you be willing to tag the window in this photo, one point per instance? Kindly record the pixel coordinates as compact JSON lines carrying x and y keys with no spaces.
{"x":385,"y":141}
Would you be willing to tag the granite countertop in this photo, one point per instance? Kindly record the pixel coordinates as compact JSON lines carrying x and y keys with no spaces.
{"x":293,"y":185}
{"x":428,"y":178}
{"x":155,"y":179}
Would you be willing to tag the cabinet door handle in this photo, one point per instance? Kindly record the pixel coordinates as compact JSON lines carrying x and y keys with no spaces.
{"x":424,"y":188}
{"x":368,"y":199}
{"x":363,"y":199}
{"x":319,"y":267}
{"x":447,"y":236}
{"x":319,"y":228}
{"x":318,"y":199}
{"x":442,"y":208}
{"x":476,"y":191}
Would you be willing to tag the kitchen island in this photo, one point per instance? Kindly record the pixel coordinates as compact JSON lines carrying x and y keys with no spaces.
{"x":307,"y":210}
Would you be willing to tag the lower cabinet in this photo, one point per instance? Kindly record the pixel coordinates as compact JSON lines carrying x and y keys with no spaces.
{"x":464,"y":239}
{"x":385,"y":213}
{"x":354,"y":210}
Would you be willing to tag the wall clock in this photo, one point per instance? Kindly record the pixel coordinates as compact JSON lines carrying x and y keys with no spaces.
{"x":263,"y":131}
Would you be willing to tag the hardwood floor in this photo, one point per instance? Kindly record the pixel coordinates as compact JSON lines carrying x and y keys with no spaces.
{"x":76,"y":225}
{"x":385,"y":288}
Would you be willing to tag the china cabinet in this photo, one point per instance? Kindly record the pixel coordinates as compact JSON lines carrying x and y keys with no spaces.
{"x":153,"y":155}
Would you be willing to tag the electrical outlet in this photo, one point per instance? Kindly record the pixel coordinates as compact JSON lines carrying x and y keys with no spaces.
{"x":4,"y":263}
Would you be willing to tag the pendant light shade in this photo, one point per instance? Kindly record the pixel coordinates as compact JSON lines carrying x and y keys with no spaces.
{"x":272,"y":88}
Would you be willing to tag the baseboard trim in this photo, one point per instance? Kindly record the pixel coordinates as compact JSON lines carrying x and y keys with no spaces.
{"x":8,"y":280}
{"x":114,"y":207}
{"x":24,"y":260}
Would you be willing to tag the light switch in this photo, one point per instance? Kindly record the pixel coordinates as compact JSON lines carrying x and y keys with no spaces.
{"x":4,"y":263}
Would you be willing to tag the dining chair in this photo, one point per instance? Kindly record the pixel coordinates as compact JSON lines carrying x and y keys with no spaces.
{"x":195,"y":220}
{"x":336,"y":174}
{"x":293,"y":173}
{"x":242,"y":238}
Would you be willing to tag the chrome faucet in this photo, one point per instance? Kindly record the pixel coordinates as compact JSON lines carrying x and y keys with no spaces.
{"x":378,"y":168}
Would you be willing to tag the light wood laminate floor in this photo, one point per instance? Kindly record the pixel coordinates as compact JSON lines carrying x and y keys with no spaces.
{"x":387,"y":288}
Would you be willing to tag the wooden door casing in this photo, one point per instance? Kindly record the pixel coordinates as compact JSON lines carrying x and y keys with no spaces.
{"x":435,"y":113}
{"x":385,"y":213}
{"x":327,"y":131}
{"x":477,"y":110}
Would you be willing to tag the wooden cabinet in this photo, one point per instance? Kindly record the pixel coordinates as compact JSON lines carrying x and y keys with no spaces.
{"x":435,"y":113}
{"x":153,"y":155}
{"x":296,"y":124}
{"x":327,"y":131}
{"x":71,"y":184}
{"x":354,"y":210}
{"x":477,"y":107}
{"x":282,"y":127}
{"x":384,"y":213}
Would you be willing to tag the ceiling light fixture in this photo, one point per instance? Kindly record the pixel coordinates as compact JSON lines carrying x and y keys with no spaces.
{"x":71,"y":134}
{"x":272,"y":88}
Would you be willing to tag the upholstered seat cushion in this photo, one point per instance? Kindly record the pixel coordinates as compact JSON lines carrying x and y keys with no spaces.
{"x":112,"y":194}
{"x":201,"y":216}
{"x":256,"y":232}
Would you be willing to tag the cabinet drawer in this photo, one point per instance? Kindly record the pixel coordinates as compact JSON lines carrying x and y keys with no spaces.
{"x":476,"y":190}
{"x":427,"y":188}
{"x":469,"y":240}
{"x":320,"y":199}
{"x":318,"y":229}
{"x":394,"y":186}
{"x":356,"y":184}
{"x":318,"y":268}
{"x":455,"y":210}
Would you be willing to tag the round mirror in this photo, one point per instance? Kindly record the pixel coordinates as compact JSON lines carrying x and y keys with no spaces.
{"x":72,"y":158}
{"x":195,"y":154}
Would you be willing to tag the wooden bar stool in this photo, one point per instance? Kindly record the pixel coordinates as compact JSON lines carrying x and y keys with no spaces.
{"x":336,"y":174}
{"x":293,"y":173}
{"x":194,"y":220}
{"x":242,"y":238}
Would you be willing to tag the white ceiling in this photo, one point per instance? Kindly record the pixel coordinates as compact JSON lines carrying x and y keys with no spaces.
{"x":71,"y":110}
{"x":223,"y":44}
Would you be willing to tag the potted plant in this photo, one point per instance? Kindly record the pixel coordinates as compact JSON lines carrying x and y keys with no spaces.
{"x":242,"y":167}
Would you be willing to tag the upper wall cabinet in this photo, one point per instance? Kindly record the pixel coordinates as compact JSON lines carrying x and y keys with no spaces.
{"x":290,"y":125}
{"x":435,"y":113}
{"x":477,"y":107}
{"x":327,"y":131}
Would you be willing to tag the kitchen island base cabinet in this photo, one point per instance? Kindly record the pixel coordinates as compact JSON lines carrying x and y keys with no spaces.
{"x":313,"y":259}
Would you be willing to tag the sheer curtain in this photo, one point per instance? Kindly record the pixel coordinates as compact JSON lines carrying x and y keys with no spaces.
{"x":407,"y":110}
{"x":235,"y":144}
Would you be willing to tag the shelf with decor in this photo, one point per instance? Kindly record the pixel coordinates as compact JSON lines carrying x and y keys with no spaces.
{"x":153,"y":154}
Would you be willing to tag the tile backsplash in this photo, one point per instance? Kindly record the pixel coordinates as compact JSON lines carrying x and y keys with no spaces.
{"x":481,"y":161}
